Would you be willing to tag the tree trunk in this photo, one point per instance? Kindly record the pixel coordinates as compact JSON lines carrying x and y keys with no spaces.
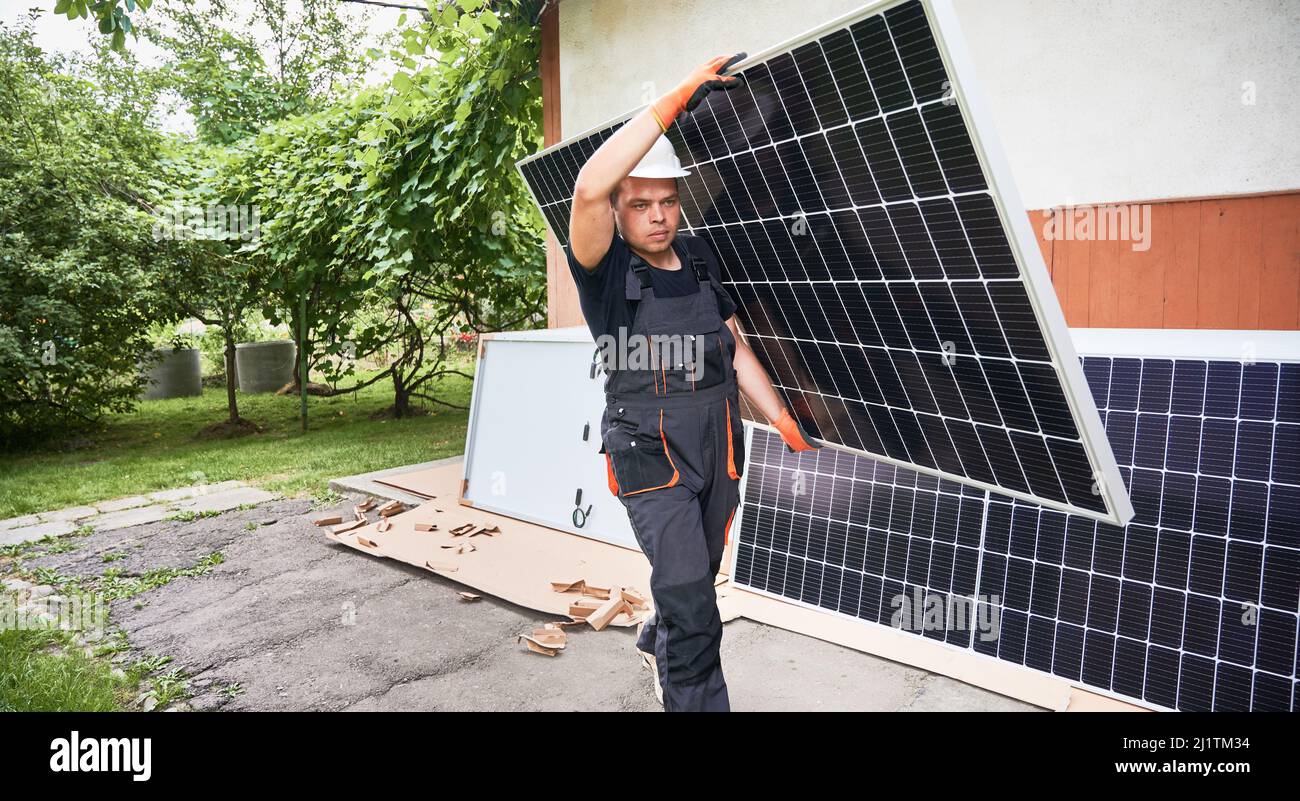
{"x":231,"y":404}
{"x":401,"y":395}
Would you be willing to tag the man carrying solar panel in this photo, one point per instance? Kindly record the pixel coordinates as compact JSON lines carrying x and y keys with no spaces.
{"x":671,"y":431}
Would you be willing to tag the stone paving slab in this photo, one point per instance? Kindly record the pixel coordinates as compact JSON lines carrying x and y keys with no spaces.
{"x":225,"y":500}
{"x":131,"y":517}
{"x":183,"y":493}
{"x":123,"y":503}
{"x":366,"y":484}
{"x":71,"y":513}
{"x":134,"y":510}
{"x":17,"y":536}
{"x":19,"y":522}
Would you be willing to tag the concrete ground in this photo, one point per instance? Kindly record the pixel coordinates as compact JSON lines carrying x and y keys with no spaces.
{"x":302,"y":623}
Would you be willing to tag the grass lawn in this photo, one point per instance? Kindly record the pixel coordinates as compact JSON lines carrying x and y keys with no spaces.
{"x":40,"y":673}
{"x":155,"y":447}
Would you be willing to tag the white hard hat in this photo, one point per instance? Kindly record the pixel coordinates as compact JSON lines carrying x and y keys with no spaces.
{"x":660,"y":162}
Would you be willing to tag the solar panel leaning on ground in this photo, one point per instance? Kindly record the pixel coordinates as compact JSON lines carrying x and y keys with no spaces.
{"x":899,"y":312}
{"x":1192,"y":606}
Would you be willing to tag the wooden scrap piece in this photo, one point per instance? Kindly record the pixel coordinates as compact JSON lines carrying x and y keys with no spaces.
{"x":474,"y":529}
{"x":568,"y":585}
{"x":384,"y":524}
{"x":537,"y":647}
{"x":426,"y":526}
{"x":348,"y":526}
{"x":634,"y":599}
{"x":441,"y":566}
{"x":581,"y":587}
{"x":460,"y":547}
{"x":392,"y":508}
{"x":367,"y":543}
{"x":546,"y":640}
{"x":468,"y":596}
{"x":607,"y":612}
{"x":332,"y":520}
{"x":367,"y":504}
{"x":358,"y":513}
{"x":628,"y":617}
{"x":563,"y":623}
{"x":581,"y":610}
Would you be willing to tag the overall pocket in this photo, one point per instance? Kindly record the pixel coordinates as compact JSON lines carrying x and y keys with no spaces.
{"x":735,"y":442}
{"x":638,"y":456}
{"x":714,"y":362}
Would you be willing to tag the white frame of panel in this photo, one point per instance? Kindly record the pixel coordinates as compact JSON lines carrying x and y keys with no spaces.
{"x":570,"y":335}
{"x":1188,"y":343}
{"x":1024,"y":246}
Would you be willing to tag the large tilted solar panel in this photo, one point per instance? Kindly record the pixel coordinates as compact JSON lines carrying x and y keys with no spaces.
{"x":1192,"y":606}
{"x":884,"y":268}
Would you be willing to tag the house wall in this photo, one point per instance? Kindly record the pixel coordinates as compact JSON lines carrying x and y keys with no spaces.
{"x":1105,"y":102}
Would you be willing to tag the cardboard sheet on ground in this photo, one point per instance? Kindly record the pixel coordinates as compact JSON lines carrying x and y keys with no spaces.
{"x":518,"y":564}
{"x":521,"y":561}
{"x":417,"y":482}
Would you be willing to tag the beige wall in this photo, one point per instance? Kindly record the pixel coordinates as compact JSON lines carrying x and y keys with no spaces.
{"x":1096,"y":101}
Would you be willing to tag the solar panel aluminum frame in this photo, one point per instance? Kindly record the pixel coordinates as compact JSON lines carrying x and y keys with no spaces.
{"x":1024,"y":246}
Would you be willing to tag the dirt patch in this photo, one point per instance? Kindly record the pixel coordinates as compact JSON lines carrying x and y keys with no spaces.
{"x":229,"y":430}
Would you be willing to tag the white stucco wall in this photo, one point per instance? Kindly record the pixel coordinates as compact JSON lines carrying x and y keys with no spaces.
{"x":1095,"y":101}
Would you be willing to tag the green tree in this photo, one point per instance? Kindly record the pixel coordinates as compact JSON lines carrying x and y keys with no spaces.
{"x":112,"y":17}
{"x":234,"y":91}
{"x":234,"y":82}
{"x":79,"y":264}
{"x":218,"y":285}
{"x":297,"y":173}
{"x":409,"y":196}
{"x":442,"y":209}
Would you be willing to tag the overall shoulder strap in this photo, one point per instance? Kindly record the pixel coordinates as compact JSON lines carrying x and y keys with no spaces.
{"x":642,"y":271}
{"x":699,"y":265}
{"x":634,"y":279}
{"x":701,"y":268}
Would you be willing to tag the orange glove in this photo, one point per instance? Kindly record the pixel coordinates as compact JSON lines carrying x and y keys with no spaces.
{"x":690,"y":92}
{"x":792,"y":432}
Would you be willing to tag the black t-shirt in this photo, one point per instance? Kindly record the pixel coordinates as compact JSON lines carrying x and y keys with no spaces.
{"x":602,"y":292}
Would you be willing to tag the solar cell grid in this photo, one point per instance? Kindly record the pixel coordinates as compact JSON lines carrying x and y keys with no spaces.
{"x":1192,"y":606}
{"x":877,"y":281}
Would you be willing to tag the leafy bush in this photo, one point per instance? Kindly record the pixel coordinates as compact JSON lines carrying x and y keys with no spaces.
{"x":78,"y":259}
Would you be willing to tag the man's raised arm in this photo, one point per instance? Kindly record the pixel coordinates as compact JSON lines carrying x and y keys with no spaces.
{"x":591,"y":226}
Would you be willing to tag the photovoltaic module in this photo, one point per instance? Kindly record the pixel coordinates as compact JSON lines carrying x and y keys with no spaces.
{"x":1193,"y":606}
{"x":883,"y":265}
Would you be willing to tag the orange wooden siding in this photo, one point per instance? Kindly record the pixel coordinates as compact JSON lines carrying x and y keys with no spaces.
{"x":1216,"y":263}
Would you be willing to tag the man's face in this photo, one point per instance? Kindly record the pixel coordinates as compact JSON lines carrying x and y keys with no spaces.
{"x":647,"y":213}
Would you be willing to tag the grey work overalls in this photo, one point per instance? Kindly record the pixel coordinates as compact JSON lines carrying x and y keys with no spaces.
{"x":674,"y":447}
